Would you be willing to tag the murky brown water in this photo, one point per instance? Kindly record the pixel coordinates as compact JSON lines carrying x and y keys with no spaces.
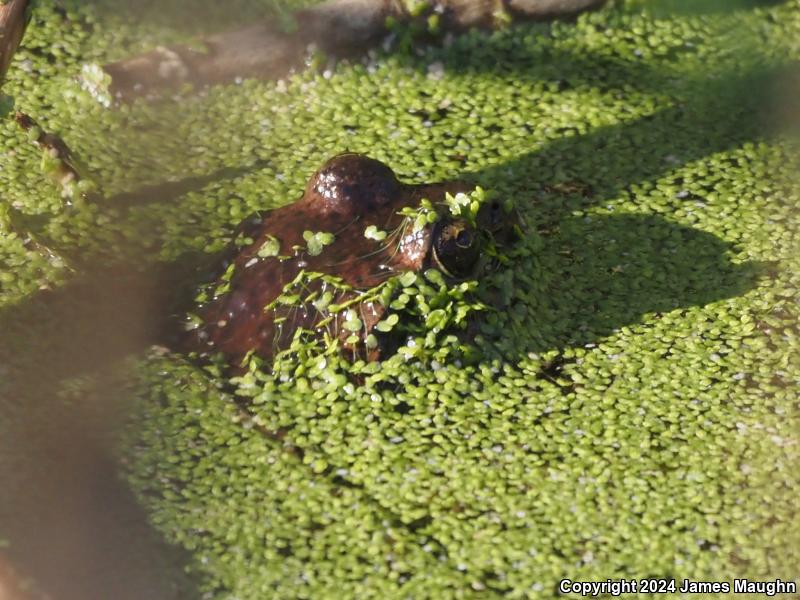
{"x":72,"y":523}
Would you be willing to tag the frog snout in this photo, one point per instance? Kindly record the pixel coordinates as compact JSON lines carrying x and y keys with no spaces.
{"x":455,"y":247}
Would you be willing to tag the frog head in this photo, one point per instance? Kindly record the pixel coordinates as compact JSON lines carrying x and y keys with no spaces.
{"x":355,"y":227}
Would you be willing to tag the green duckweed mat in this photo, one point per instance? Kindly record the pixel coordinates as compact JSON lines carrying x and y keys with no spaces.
{"x":633,"y":410}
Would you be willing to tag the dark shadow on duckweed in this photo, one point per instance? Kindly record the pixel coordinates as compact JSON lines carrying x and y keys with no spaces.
{"x":171,"y":191}
{"x":592,"y":275}
{"x":707,"y":114}
{"x":592,"y":272}
{"x":713,"y":116}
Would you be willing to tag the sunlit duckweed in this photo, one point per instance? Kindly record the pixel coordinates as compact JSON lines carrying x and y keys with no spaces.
{"x":627,"y":406}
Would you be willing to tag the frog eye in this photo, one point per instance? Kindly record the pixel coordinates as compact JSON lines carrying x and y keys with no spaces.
{"x":455,"y":247}
{"x":464,"y":238}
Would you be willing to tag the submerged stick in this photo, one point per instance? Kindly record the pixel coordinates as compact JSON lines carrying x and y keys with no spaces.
{"x":13,"y":19}
{"x":13,"y":586}
{"x":339,"y":28}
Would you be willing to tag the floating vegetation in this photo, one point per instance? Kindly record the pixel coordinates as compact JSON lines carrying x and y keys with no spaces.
{"x":625,"y":407}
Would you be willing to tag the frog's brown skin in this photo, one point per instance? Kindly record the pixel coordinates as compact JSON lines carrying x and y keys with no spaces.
{"x":348,"y":194}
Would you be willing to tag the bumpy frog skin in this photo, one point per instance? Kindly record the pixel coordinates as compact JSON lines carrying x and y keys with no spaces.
{"x":348,"y":194}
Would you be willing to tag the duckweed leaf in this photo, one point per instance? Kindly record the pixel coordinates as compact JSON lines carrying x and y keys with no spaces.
{"x":388,"y":323}
{"x":373,"y":233}
{"x":270,"y":247}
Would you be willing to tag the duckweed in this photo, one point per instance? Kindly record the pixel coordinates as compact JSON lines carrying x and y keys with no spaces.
{"x":626,"y":404}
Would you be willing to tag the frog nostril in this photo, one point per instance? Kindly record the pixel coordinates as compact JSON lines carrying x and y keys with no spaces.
{"x":496,"y":214}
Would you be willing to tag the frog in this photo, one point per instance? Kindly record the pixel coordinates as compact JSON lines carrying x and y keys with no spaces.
{"x":350,"y":224}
